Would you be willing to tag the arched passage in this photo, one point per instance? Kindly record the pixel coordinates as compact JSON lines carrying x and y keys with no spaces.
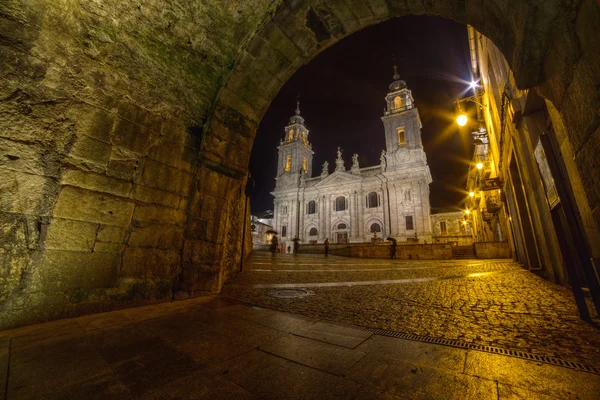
{"x":127,"y":129}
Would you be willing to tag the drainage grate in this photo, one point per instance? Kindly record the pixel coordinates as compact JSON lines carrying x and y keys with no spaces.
{"x":445,"y":342}
{"x":289,"y":293}
{"x":470,"y":346}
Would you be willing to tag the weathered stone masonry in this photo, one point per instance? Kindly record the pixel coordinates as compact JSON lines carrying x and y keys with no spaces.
{"x":109,"y":198}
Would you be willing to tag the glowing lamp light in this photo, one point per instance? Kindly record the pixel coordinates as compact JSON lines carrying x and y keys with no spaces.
{"x":467,"y":211}
{"x":479,"y":165}
{"x":471,"y":194}
{"x":473,"y":84}
{"x":462,"y":119}
{"x":464,"y":222}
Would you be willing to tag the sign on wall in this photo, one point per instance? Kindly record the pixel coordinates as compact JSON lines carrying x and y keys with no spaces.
{"x":546,"y":174}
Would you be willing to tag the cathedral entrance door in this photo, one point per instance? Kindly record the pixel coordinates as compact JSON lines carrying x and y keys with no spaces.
{"x":342,"y":237}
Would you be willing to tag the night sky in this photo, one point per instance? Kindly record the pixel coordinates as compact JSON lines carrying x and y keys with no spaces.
{"x":342,"y":95}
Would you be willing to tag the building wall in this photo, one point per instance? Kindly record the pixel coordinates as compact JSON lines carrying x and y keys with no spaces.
{"x":516,"y":120}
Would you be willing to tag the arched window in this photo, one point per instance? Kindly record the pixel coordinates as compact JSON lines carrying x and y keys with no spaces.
{"x":305,"y":165}
{"x":375,"y":228}
{"x":340,"y":203}
{"x":401,"y":138}
{"x":312,"y":207}
{"x":372,"y":200}
{"x":288,"y":163}
{"x":397,"y":102}
{"x":291,"y":135}
{"x":341,"y":226}
{"x":312,"y":232}
{"x":407,"y":195}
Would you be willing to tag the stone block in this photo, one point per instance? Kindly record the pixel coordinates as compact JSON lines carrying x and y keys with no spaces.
{"x":131,"y":136}
{"x":68,"y":234}
{"x":213,"y":183}
{"x":150,"y":263}
{"x":96,"y":182}
{"x":90,"y":153}
{"x":269,"y":58}
{"x":202,"y":255}
{"x":206,"y":207}
{"x":173,"y":153}
{"x":111,"y":234}
{"x":362,"y":11}
{"x":157,"y":236}
{"x":27,"y":157}
{"x":93,"y":122}
{"x":25,"y":193}
{"x":280,"y":42}
{"x":344,"y":15}
{"x":59,"y":270}
{"x":102,"y":247}
{"x":379,"y":9}
{"x":155,"y":196}
{"x":85,"y":205}
{"x":164,"y":177}
{"x":124,"y":164}
{"x":158,"y":214}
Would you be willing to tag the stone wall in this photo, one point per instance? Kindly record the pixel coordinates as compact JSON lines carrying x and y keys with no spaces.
{"x":493,"y":250}
{"x":126,"y":128}
{"x":403,"y":251}
{"x":107,"y":199}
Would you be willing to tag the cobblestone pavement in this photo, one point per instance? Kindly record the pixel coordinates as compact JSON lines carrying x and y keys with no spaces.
{"x":489,"y":302}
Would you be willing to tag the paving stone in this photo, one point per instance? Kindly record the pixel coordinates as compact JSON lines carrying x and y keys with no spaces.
{"x":507,"y":392}
{"x":69,"y":369}
{"x":271,"y":377}
{"x":562,"y":383}
{"x":510,"y":308}
{"x":333,"y":334}
{"x":203,"y":384}
{"x":141,"y":361}
{"x":419,"y":382}
{"x":419,"y":353}
{"x":284,"y":322}
{"x":323,"y":356}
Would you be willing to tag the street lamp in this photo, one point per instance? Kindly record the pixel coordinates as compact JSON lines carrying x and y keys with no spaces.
{"x":471,"y":194}
{"x":467,"y":211}
{"x":462,"y":119}
{"x":479,"y":165}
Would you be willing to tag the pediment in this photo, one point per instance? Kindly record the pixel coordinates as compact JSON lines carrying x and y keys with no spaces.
{"x":339,"y":178}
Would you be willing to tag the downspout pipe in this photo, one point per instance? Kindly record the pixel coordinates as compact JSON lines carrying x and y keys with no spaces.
{"x":473,"y":50}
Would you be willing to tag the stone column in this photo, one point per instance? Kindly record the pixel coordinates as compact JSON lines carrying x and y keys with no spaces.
{"x":321,"y":214}
{"x":302,"y":212}
{"x":361,"y":206}
{"x":385,"y":198}
{"x":351,"y":211}
{"x":393,"y":209}
{"x":328,"y":217}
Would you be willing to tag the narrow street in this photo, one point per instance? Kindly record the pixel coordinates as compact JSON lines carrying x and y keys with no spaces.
{"x":478,"y":302}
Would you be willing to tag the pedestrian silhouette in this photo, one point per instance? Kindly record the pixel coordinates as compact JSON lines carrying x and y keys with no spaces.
{"x":274,"y":245}
{"x":296,"y":245}
{"x":326,"y":243}
{"x":392,"y":247}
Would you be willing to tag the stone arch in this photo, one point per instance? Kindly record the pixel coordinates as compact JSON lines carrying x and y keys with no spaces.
{"x":371,"y":221}
{"x":155,"y":153}
{"x":308,"y":228}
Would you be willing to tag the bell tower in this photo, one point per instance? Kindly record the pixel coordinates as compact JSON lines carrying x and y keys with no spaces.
{"x":295,"y":151}
{"x":401,"y":118}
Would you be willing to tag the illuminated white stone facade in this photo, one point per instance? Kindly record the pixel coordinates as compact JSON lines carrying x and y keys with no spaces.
{"x":349,"y":205}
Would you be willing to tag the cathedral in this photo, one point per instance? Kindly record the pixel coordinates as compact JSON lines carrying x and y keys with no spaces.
{"x":357,"y":204}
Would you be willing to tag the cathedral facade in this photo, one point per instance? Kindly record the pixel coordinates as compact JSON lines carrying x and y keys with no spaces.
{"x":356,"y":204}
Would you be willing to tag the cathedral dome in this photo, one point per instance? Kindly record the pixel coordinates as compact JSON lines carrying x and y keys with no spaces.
{"x":398,"y":83}
{"x":297,"y":119}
